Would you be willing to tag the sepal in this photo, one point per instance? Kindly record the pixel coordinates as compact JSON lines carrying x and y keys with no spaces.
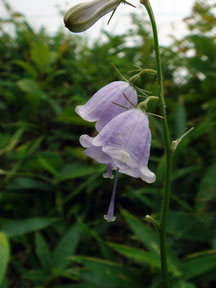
{"x":175,"y":143}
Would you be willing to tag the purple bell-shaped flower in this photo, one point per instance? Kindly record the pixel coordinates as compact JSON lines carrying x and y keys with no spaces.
{"x":100,"y":107}
{"x":124,"y":145}
{"x":127,"y":140}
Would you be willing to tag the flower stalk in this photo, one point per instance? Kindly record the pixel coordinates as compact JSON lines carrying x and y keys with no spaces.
{"x":168,"y":150}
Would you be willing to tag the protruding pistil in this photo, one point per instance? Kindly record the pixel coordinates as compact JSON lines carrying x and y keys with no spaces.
{"x":109,"y":217}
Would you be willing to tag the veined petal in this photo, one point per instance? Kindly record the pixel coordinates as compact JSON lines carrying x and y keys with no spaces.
{"x":122,"y":156}
{"x":127,"y":140}
{"x":101,"y":109}
{"x":94,"y":152}
{"x":123,"y":130}
{"x":98,"y":155}
{"x":147,"y":175}
{"x":133,"y":172}
{"x":86,"y":140}
{"x":110,"y":110}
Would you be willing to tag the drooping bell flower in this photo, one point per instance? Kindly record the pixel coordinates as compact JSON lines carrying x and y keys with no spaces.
{"x":82,"y":16}
{"x":100,"y":107}
{"x":127,"y":140}
{"x":124,"y":144}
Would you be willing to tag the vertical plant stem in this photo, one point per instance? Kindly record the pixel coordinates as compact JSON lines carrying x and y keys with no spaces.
{"x":168,"y":150}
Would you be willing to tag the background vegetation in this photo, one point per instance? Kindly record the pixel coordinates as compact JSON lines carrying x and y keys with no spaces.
{"x":53,"y":198}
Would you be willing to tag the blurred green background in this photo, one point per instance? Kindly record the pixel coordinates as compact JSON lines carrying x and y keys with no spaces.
{"x":53,"y":198}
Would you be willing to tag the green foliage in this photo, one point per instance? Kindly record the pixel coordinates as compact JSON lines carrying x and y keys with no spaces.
{"x":15,"y":228}
{"x":198,"y":265}
{"x":66,"y":246}
{"x":4,"y":255}
{"x":53,"y":197}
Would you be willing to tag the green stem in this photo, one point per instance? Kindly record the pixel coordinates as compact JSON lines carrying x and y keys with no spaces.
{"x":168,"y":150}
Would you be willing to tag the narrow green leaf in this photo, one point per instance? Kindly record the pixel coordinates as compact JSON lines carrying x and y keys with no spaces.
{"x":180,"y":119}
{"x":34,"y":94}
{"x":36,"y":275}
{"x":40,"y":54}
{"x":43,"y":251}
{"x":13,"y":141}
{"x":26,"y":183}
{"x":19,"y":227}
{"x":4,"y":255}
{"x":182,"y":284}
{"x":71,"y":171}
{"x":106,"y":251}
{"x":137,"y":254}
{"x":27,"y":66}
{"x":144,"y":233}
{"x":104,"y":248}
{"x":198,"y":265}
{"x":186,"y":226}
{"x":151,"y":240}
{"x":35,"y":145}
{"x":207,"y":189}
{"x":30,"y":86}
{"x":107,"y":274}
{"x":66,"y":247}
{"x":48,"y":166}
{"x":185,"y":171}
{"x":79,"y":285}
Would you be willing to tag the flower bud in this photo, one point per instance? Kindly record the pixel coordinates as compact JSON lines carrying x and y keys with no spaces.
{"x":82,"y":16}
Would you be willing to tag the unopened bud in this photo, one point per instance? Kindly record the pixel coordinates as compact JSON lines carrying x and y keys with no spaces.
{"x":82,"y":16}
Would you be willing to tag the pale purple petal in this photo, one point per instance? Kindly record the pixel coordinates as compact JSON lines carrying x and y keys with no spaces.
{"x":100,"y":107}
{"x":127,"y":140}
{"x":94,"y":152}
{"x":145,"y":174}
{"x":86,"y":140}
{"x":98,"y":155}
